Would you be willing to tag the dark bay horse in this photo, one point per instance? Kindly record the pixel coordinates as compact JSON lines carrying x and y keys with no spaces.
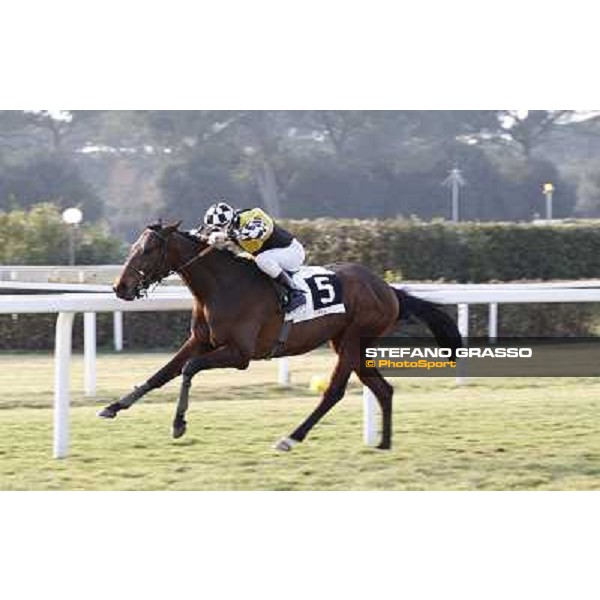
{"x":237,"y":318}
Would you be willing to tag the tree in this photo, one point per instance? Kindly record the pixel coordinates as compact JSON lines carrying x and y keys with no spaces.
{"x":250,"y":143}
{"x":524,"y":131}
{"x":47,"y":178}
{"x":146,"y":164}
{"x":47,"y":131}
{"x":190,"y":186}
{"x":14,"y":133}
{"x":39,"y":237}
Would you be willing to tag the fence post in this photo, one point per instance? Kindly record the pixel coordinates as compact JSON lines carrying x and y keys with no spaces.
{"x":118,"y":331}
{"x":463,"y":328}
{"x":283,"y":371}
{"x":370,"y":413}
{"x":493,"y":323}
{"x":89,"y":353}
{"x":62,"y":364}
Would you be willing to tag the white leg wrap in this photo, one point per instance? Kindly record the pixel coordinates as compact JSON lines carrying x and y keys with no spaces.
{"x":285,"y":444}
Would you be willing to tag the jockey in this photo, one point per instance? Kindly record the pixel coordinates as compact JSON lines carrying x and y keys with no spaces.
{"x":275,"y":250}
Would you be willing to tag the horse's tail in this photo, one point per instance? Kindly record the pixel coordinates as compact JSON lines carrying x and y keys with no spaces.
{"x":441,"y":325}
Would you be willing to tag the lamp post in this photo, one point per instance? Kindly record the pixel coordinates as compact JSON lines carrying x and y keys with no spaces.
{"x":72,"y":217}
{"x":549,"y":193}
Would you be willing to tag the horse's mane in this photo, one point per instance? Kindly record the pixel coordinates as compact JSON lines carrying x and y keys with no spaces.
{"x":158,"y":227}
{"x":189,"y":235}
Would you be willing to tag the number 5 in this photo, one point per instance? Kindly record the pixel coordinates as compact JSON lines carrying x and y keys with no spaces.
{"x":323,"y":285}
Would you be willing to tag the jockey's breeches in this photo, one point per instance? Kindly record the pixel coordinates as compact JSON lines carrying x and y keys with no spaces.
{"x":273,"y":261}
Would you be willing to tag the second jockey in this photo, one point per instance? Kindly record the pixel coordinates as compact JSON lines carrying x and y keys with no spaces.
{"x":276,"y":251}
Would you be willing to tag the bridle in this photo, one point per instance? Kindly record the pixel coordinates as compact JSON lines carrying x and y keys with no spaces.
{"x":154,"y":277}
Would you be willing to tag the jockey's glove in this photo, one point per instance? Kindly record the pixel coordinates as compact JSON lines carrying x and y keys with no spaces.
{"x":217,"y":237}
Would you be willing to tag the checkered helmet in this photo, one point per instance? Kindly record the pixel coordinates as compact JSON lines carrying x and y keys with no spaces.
{"x":219,"y":215}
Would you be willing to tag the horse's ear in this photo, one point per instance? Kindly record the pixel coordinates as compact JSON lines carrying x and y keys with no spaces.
{"x":154,"y":227}
{"x":172,"y":226}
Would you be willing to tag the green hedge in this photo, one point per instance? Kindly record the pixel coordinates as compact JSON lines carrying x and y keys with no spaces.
{"x":471,"y":252}
{"x":464,"y":252}
{"x":400,"y":249}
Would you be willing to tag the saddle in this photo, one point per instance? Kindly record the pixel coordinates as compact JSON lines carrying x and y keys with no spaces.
{"x":280,"y":290}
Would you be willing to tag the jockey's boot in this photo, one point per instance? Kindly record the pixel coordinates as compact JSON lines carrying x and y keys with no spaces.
{"x":296,"y":297}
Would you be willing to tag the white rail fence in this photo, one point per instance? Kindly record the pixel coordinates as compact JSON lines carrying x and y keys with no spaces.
{"x":60,"y":273}
{"x":79,"y":274}
{"x":67,"y":305}
{"x":81,"y":288}
{"x":179,"y":299}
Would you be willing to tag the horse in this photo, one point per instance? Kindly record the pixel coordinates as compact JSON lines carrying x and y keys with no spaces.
{"x":237,"y":317}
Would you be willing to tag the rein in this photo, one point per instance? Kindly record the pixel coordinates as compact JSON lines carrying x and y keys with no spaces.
{"x":194,"y":258}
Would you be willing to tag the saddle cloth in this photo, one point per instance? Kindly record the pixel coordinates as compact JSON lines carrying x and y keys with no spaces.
{"x":323,"y":294}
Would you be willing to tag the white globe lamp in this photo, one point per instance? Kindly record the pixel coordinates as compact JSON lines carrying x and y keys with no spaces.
{"x":72,"y":216}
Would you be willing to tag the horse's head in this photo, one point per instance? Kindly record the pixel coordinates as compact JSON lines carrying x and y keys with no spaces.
{"x":149,"y":261}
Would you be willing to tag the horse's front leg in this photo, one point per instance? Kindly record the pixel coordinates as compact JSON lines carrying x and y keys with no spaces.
{"x":227,"y":356}
{"x":171,"y":370}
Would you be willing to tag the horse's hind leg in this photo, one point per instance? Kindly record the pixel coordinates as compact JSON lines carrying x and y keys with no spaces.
{"x":333,"y":394}
{"x":383,"y":392}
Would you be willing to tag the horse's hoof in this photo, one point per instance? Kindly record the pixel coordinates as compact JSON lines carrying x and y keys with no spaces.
{"x":285,"y":444}
{"x":109,"y":412}
{"x":179,"y":429}
{"x":384,"y":446}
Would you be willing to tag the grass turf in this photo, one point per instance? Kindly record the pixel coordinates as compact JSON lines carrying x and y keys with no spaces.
{"x":490,"y":435}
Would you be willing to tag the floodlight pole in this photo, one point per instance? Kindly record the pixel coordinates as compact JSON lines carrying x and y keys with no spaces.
{"x":455,"y":181}
{"x":455,"y":194}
